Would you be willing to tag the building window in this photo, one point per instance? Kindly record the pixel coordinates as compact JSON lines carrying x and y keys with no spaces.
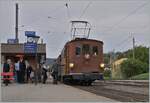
{"x":78,"y":50}
{"x":86,"y":49}
{"x":95,"y":50}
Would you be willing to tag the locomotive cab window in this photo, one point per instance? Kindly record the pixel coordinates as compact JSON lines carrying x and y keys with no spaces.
{"x":78,"y":50}
{"x":86,"y":49}
{"x":95,"y":50}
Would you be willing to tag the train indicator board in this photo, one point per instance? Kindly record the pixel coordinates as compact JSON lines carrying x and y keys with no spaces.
{"x":30,"y":33}
{"x":30,"y":47}
{"x":11,"y":41}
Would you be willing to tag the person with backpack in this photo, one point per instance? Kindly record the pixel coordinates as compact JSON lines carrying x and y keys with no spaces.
{"x":44,"y":73}
{"x":28,"y":71}
{"x":6,"y":69}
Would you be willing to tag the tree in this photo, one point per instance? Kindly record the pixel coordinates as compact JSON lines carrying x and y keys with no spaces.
{"x":106,"y":58}
{"x":141,"y":53}
{"x":131,"y":67}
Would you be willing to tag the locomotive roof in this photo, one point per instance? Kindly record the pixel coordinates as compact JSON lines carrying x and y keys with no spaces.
{"x":84,"y":39}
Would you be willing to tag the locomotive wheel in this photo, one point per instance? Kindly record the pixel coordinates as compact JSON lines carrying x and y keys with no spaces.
{"x":86,"y":83}
{"x":66,"y":81}
{"x":89,"y":83}
{"x":83,"y":83}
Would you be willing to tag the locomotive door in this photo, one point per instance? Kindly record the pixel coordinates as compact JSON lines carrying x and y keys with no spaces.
{"x":67,"y":60}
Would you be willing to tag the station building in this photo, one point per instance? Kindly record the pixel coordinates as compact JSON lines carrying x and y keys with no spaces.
{"x":16,"y":51}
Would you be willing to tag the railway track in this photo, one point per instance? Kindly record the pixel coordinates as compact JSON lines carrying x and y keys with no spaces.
{"x":125,"y":83}
{"x":102,"y":89}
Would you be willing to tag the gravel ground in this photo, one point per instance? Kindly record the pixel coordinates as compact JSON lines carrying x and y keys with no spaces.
{"x":122,"y":93}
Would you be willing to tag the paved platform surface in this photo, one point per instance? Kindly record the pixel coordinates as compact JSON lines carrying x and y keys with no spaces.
{"x":47,"y":93}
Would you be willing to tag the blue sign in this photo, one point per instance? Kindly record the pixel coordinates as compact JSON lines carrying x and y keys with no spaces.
{"x":30,"y":33}
{"x":30,"y":47}
{"x":11,"y":41}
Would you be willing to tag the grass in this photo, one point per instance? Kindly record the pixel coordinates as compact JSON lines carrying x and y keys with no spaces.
{"x":106,"y":78}
{"x":144,"y":76}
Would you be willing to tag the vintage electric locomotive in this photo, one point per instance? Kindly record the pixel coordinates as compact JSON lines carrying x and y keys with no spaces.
{"x":81,"y":60}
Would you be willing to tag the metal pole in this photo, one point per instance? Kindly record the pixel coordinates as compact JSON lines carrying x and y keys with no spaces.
{"x":36,"y":66}
{"x":16,"y":28}
{"x":133,"y":48}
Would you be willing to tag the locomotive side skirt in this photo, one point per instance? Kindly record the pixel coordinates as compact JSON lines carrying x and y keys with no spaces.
{"x":86,"y":76}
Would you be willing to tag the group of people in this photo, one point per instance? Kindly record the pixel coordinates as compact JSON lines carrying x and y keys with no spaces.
{"x":23,"y":72}
{"x":19,"y":70}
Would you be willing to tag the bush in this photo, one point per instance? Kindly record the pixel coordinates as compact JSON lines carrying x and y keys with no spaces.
{"x":107,"y":73}
{"x":131,"y":67}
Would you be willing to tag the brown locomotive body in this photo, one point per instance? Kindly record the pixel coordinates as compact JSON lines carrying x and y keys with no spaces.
{"x":81,"y":61}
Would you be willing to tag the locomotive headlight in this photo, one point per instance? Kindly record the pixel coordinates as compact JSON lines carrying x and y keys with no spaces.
{"x":71,"y":65}
{"x":102,"y":65}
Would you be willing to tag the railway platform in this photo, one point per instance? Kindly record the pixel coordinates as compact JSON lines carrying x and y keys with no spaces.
{"x":47,"y":93}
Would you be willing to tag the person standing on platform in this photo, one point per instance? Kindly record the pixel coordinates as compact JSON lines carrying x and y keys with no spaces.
{"x":29,"y":70}
{"x":12,"y":70}
{"x":55,"y":72}
{"x":22,"y":67}
{"x":44,"y":73}
{"x":6,"y":69}
{"x":17,"y":72}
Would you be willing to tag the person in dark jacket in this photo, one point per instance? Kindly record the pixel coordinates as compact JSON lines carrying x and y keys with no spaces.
{"x":55,"y":72}
{"x":29,"y":70}
{"x":22,"y":67}
{"x":44,"y":73}
{"x":6,"y":68}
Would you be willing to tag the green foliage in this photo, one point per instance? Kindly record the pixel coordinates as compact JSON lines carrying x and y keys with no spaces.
{"x":107,"y":73}
{"x":131,"y":67}
{"x":106,"y":78}
{"x":144,"y":76}
{"x":141,"y":53}
{"x":106,"y":58}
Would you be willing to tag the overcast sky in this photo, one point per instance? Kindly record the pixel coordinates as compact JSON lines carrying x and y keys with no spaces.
{"x":113,"y":21}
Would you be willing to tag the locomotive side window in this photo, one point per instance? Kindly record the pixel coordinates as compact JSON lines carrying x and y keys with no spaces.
{"x":86,"y":49}
{"x":78,"y":50}
{"x":95,"y":50}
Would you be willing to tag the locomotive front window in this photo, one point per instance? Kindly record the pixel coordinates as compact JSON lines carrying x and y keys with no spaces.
{"x":86,"y":49}
{"x":95,"y":50}
{"x":78,"y":50}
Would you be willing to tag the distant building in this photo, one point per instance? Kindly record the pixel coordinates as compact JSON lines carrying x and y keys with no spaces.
{"x":116,"y":69}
